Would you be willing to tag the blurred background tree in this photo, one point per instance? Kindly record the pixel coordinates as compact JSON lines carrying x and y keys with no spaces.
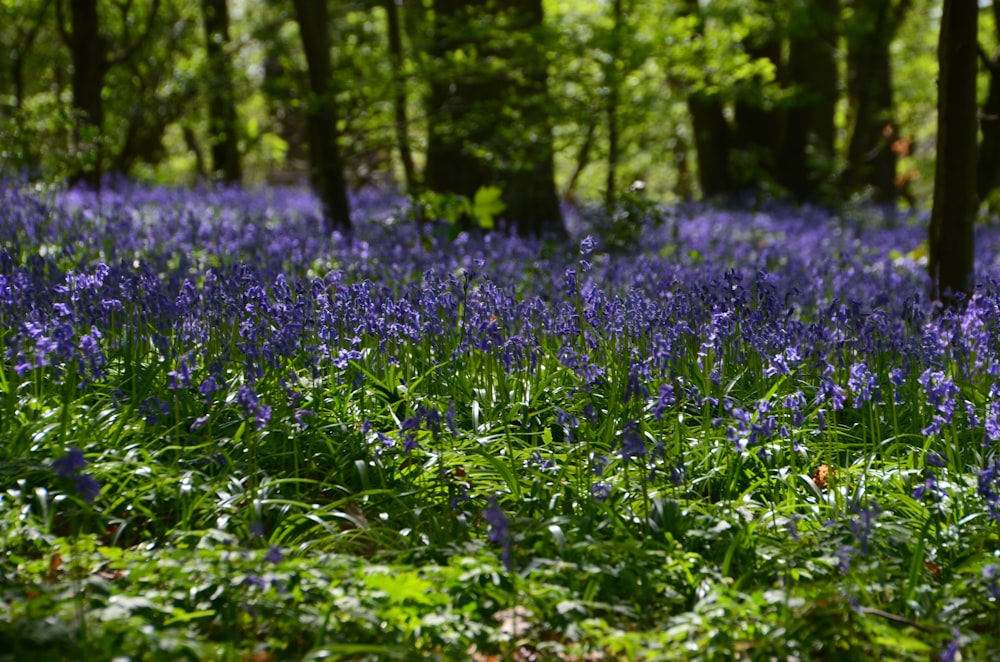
{"x":822,"y":101}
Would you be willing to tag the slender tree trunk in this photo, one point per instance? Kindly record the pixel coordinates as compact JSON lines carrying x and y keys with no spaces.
{"x":492,"y":127}
{"x":951,"y":229}
{"x":460,"y":106}
{"x":713,"y":137}
{"x":807,"y":151}
{"x":325,"y":167}
{"x":870,"y":158}
{"x":712,"y":144}
{"x":401,"y":122}
{"x":221,"y":101}
{"x":89,"y":53}
{"x":582,"y":161}
{"x":612,"y":81}
{"x":988,"y":167}
{"x":530,"y":190}
{"x":758,"y":127}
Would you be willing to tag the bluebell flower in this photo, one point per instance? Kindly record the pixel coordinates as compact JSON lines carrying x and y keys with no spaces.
{"x":499,"y":529}
{"x":989,"y":488}
{"x":844,"y":555}
{"x":70,"y":467}
{"x":87,"y":487}
{"x":600,"y":491}
{"x":863,"y":523}
{"x":71,"y":464}
{"x":274,"y":554}
{"x":302,"y":417}
{"x":633,"y":444}
{"x":934,"y":460}
{"x":991,"y":573}
{"x":951,"y":651}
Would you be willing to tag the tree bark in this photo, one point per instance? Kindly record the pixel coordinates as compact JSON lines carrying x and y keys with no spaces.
{"x":488,"y":121}
{"x":530,"y":190}
{"x":713,"y":146}
{"x":401,"y":121}
{"x":92,"y":58}
{"x":951,"y":228}
{"x":870,"y":159}
{"x":325,"y":166}
{"x":988,"y":167}
{"x":808,"y":146}
{"x":24,"y":42}
{"x":89,"y":53}
{"x":757,"y":124}
{"x":612,"y":81}
{"x":713,"y":137}
{"x":455,"y":98}
{"x":221,"y":99}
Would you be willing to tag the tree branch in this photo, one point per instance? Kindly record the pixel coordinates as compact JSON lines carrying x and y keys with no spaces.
{"x":130,"y":50}
{"x":36,"y":28}
{"x":60,"y":23}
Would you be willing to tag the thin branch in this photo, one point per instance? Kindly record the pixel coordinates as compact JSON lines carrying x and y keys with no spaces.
{"x":894,"y":618}
{"x":130,"y":50}
{"x":60,"y":23}
{"x":36,"y":28}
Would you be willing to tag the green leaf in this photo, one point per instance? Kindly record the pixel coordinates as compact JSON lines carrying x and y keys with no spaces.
{"x":487,"y":205}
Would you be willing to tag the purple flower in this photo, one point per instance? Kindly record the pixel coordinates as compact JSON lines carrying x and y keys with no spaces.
{"x":633,"y":445}
{"x":70,"y":464}
{"x":87,"y":487}
{"x":274,"y":554}
{"x":934,"y":460}
{"x":863,"y":523}
{"x":499,"y":531}
{"x":991,"y":574}
{"x":844,"y":554}
{"x":69,"y":467}
{"x":929,"y":489}
{"x":951,"y":652}
{"x":600,"y":491}
{"x":989,"y":488}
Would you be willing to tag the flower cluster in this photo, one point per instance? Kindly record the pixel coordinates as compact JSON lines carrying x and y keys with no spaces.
{"x":70,"y":467}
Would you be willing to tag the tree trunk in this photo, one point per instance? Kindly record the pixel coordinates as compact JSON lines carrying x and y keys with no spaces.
{"x":530,"y":188}
{"x":807,"y":151}
{"x":988,"y":167}
{"x":221,"y":101}
{"x":21,"y":49}
{"x":402,"y":125}
{"x":713,"y":137}
{"x":460,"y":106}
{"x":951,"y":228}
{"x":89,"y":53}
{"x":488,"y":125}
{"x":612,"y":81}
{"x":758,"y":127}
{"x":325,"y":167}
{"x":870,"y":159}
{"x":713,"y":146}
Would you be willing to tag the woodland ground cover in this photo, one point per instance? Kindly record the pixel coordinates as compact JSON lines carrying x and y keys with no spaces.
{"x":744,"y":435}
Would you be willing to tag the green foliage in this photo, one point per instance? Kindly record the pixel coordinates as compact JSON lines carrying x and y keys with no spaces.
{"x":484,"y":208}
